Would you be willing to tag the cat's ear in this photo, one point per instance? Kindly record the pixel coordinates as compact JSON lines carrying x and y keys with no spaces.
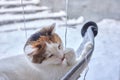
{"x":46,"y":31}
{"x":37,"y":56}
{"x":53,"y":26}
{"x":51,"y":29}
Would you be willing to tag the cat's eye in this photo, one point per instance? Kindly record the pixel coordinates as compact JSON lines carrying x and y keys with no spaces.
{"x":59,"y":46}
{"x":50,"y":55}
{"x":39,"y":46}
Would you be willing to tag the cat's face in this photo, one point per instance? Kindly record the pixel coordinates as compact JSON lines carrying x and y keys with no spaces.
{"x":46,"y":47}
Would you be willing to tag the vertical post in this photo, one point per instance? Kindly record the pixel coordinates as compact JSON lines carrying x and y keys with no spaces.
{"x":66,"y":9}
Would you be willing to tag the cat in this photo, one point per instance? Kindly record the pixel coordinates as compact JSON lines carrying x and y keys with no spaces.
{"x":46,"y":60}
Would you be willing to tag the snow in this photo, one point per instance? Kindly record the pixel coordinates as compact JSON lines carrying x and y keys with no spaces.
{"x":5,"y":2}
{"x":26,"y":8}
{"x":105,"y":62}
{"x":73,"y":22}
{"x":30,"y":16}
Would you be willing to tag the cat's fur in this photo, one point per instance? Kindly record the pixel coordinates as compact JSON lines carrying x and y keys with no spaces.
{"x":47,"y":61}
{"x":19,"y":68}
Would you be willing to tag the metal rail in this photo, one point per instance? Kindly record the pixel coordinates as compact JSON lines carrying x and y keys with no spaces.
{"x":88,"y":32}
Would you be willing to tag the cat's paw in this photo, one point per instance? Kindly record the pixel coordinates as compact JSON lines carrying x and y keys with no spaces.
{"x":70,"y":56}
{"x":88,"y":46}
{"x":86,"y":49}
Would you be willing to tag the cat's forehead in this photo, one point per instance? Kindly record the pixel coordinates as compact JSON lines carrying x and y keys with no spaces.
{"x":40,"y":42}
{"x":51,"y":47}
{"x":52,"y":40}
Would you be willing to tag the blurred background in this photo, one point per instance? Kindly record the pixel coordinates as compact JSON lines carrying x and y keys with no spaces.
{"x":21,"y":18}
{"x":90,"y":9}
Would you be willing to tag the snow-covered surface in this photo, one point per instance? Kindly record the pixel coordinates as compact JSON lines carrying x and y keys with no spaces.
{"x":107,"y":51}
{"x":5,"y":2}
{"x":30,"y":16}
{"x":26,"y":8}
{"x":105,"y":62}
{"x":73,"y":22}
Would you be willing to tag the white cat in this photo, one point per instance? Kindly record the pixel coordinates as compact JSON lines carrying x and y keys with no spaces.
{"x":47,"y":61}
